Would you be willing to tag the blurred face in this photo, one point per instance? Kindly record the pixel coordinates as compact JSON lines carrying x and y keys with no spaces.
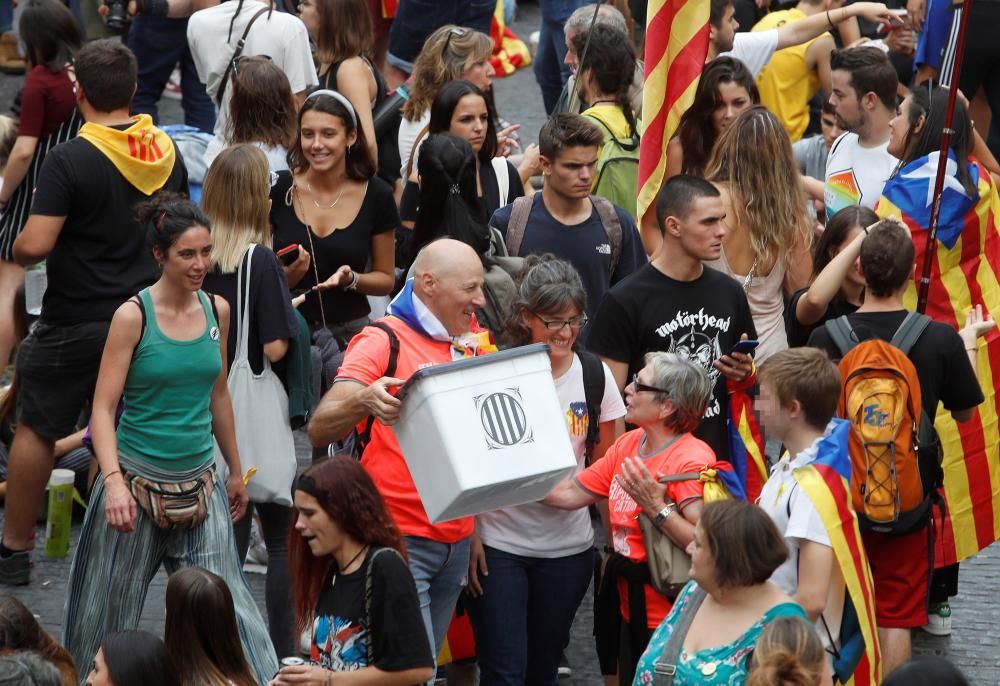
{"x":571,"y":174}
{"x":734,"y":100}
{"x":558,"y":328}
{"x":843,"y":97}
{"x":722,"y":35}
{"x":899,"y":128}
{"x":641,"y":406}
{"x":189,"y":258}
{"x":772,"y":415}
{"x":318,"y":530}
{"x":571,"y":58}
{"x":830,"y":127}
{"x":99,"y":673}
{"x":701,"y":232}
{"x":470,"y":120}
{"x":309,"y":14}
{"x":456,"y":295}
{"x":324,"y":138}
{"x":480,"y":74}
{"x":702,"y":562}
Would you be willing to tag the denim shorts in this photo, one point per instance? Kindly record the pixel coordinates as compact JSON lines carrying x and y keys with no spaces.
{"x":417,"y":19}
{"x":57,"y":367}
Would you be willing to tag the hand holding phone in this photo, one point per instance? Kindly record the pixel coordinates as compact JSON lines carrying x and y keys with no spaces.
{"x":288,"y":254}
{"x":746,"y":346}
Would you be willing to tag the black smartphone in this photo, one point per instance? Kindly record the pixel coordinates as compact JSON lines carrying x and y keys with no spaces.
{"x":746,"y":347}
{"x":288,"y":254}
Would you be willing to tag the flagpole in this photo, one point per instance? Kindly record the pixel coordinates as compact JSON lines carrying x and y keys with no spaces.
{"x":949,"y":117}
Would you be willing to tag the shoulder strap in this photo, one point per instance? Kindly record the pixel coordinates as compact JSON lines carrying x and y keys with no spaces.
{"x":683,"y":476}
{"x":369,"y":592}
{"x":142,"y":312}
{"x":842,"y":334}
{"x":503,"y":179}
{"x":240,"y":44}
{"x":593,"y":393}
{"x":413,"y":150}
{"x":612,"y":226}
{"x":365,"y":437}
{"x":665,"y":666}
{"x":243,"y":309}
{"x":520,"y":209}
{"x":909,"y":331}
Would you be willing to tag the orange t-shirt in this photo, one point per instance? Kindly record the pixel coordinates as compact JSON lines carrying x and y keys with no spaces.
{"x":365,"y":361}
{"x":686,"y":454}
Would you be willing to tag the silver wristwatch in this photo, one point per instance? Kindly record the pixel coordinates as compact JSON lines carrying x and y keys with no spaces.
{"x":663,"y":514}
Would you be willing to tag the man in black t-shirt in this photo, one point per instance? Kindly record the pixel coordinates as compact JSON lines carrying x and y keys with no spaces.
{"x":564,"y":219}
{"x":82,"y":222}
{"x":945,"y":364}
{"x":676,"y":304}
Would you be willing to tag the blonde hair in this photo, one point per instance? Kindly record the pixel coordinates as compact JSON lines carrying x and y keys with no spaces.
{"x":788,"y":653}
{"x":235,"y":198}
{"x":8,"y":135}
{"x":754,"y":158}
{"x":444,"y":57}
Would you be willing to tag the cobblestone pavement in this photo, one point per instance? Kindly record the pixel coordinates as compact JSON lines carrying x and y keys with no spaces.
{"x":974,"y":645}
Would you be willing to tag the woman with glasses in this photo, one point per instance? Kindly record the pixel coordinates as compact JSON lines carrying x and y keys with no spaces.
{"x":665,"y":400}
{"x":531,"y":564}
{"x":235,"y":198}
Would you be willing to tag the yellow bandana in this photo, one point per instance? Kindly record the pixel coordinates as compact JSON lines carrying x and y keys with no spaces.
{"x":142,"y":153}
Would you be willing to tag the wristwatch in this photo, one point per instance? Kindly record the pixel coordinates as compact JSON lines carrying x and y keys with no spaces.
{"x":663,"y":514}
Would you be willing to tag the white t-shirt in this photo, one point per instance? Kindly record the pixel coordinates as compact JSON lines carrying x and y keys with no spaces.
{"x":536,"y":530}
{"x":408,"y":132}
{"x":279,"y":35}
{"x":754,"y":49}
{"x":855,"y":175}
{"x":798,"y":520}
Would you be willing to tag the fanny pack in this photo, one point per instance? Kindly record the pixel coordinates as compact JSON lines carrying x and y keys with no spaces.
{"x":182,"y":505}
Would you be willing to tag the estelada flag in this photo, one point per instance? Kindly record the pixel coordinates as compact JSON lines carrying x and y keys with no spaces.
{"x":746,"y":442}
{"x":509,"y":51}
{"x":962,"y":276}
{"x":826,"y":482}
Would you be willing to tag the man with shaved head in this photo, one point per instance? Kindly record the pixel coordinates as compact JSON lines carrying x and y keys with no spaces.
{"x":431,"y":321}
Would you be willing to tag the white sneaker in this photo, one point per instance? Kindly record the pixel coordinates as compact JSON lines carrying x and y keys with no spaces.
{"x":939,"y":620}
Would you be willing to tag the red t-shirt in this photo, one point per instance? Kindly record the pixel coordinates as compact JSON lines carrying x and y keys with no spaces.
{"x":686,"y":454}
{"x":365,"y":361}
{"x":46,"y":102}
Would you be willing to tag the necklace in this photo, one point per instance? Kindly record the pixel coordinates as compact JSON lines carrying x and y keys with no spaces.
{"x":325,"y":207}
{"x":348,"y":565}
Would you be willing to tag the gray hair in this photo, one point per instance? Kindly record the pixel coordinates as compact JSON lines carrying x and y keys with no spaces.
{"x":687,"y":387}
{"x":27,"y":668}
{"x":547,"y":284}
{"x":607,"y":15}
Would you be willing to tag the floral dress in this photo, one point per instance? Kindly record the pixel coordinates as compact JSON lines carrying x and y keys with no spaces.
{"x":721,"y":666}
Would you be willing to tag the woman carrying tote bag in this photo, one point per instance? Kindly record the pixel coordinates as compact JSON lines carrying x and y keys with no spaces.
{"x":247,"y":274}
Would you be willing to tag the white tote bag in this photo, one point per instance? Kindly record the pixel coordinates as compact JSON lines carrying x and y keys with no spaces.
{"x":260,"y":408}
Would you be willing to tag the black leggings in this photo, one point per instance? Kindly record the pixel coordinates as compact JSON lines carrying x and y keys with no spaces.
{"x":981,"y":63}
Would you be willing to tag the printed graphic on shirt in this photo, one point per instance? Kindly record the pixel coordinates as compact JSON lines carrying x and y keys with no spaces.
{"x":578,"y":419}
{"x":695,"y":337}
{"x":338,"y":644}
{"x":842,"y":190}
{"x":620,"y":501}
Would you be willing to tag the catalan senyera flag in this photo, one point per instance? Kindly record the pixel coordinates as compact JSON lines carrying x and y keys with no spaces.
{"x":746,"y":441}
{"x":963,"y":275}
{"x":676,"y":48}
{"x":826,"y":482}
{"x":509,"y":51}
{"x":389,"y":8}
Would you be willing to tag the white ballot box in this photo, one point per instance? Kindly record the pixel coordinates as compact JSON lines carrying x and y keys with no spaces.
{"x":483,"y":433}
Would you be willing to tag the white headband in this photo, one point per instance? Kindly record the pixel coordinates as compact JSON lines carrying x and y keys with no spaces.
{"x":339,"y":98}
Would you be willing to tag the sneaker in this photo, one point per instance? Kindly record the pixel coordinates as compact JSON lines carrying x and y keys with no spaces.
{"x":16,"y":569}
{"x":939,"y":620}
{"x":173,"y":88}
{"x":564,"y":669}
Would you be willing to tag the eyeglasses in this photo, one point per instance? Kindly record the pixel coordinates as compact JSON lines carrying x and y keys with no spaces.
{"x":236,"y":60}
{"x":576,"y":323}
{"x":456,"y":31}
{"x":639,"y":386}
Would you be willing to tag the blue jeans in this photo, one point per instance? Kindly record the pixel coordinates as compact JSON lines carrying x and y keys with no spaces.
{"x":159,"y":43}
{"x":6,"y":16}
{"x":523,"y":618}
{"x":440,"y":572}
{"x":550,"y":72}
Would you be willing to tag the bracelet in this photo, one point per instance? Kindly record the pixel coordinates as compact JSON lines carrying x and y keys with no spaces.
{"x":353,"y":286}
{"x":109,"y":474}
{"x":832,"y":25}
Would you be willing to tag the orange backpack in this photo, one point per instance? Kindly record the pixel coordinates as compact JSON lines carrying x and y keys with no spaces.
{"x":880,"y":397}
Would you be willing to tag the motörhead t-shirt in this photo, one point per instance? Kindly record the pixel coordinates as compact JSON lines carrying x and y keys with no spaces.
{"x":700,"y":320}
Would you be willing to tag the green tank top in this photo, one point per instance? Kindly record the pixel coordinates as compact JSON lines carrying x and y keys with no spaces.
{"x":167,"y":419}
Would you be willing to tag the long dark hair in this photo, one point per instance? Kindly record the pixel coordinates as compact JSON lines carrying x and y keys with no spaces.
{"x":443,"y":107}
{"x":358,"y":162}
{"x":138,"y":658}
{"x":448,"y":204}
{"x":835,"y":233}
{"x":611,"y":63}
{"x":201,"y":632}
{"x":50,"y":34}
{"x":696,"y":131}
{"x":348,"y":495}
{"x":930,"y":101}
{"x":19,"y":630}
{"x":166,"y":216}
{"x":262,"y":106}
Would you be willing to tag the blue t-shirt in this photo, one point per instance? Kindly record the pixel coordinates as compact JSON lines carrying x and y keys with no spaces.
{"x":585,"y":246}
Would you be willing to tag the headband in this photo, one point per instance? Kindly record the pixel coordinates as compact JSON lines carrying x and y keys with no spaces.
{"x":339,"y":98}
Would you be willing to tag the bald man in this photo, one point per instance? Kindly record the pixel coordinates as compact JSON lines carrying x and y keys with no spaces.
{"x":432,"y":321}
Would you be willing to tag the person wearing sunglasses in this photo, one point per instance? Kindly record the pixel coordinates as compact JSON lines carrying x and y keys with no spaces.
{"x":665,"y":401}
{"x":531,"y":564}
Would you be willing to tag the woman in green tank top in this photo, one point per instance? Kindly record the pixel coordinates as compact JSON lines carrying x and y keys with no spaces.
{"x":157,"y":500}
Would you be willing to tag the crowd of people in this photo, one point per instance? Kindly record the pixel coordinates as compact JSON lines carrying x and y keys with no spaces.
{"x":761,"y":422}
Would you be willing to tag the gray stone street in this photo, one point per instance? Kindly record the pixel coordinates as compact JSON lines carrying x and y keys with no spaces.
{"x":974,"y":645}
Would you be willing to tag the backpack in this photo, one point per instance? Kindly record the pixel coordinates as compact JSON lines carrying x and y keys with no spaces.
{"x":618,"y":169}
{"x":880,"y":396}
{"x":593,"y":393}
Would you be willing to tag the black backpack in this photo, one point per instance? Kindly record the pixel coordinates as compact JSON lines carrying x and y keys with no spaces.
{"x":593,"y":393}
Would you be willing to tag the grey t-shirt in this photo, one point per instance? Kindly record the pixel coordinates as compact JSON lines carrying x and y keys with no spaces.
{"x":810,"y":156}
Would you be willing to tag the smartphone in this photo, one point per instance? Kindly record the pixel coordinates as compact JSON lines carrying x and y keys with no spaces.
{"x":746,"y":347}
{"x":288,"y":254}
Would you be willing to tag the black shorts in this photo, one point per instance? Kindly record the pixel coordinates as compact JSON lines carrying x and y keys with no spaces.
{"x":57,"y":367}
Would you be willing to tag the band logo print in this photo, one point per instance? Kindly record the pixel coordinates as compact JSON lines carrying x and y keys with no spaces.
{"x":503,"y":419}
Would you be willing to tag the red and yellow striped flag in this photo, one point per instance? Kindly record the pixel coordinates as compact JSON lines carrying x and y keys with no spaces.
{"x":509,"y":51}
{"x":676,"y":48}
{"x":963,"y":275}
